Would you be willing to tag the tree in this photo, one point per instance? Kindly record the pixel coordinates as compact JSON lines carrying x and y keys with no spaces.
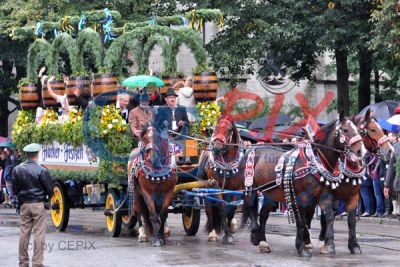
{"x":15,"y":14}
{"x":294,"y":33}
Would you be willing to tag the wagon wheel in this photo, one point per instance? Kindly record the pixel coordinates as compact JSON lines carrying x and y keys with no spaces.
{"x":59,"y":207}
{"x":191,"y":221}
{"x":129,"y":221}
{"x":113,"y":220}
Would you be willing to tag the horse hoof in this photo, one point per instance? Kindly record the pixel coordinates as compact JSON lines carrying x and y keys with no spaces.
{"x":142,"y":235}
{"x":309,"y":246}
{"x":304,"y":253}
{"x":212,"y":236}
{"x":167,"y":232}
{"x":264,"y":247}
{"x":157,"y":243}
{"x":228,"y":240}
{"x":355,"y":250}
{"x":327,"y":250}
{"x":254,"y":240}
{"x":233,"y":227}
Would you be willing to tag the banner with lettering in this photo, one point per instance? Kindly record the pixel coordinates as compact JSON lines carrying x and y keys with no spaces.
{"x":66,"y":155}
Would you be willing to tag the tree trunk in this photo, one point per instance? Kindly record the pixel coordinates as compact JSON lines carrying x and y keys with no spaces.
{"x":342,"y":73}
{"x":364,"y":86}
{"x":4,"y":114}
{"x":378,"y":97}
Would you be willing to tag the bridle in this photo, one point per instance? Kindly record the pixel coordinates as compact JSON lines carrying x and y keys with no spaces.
{"x":376,"y":145}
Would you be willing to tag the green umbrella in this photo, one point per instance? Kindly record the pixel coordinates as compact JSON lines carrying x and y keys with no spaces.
{"x":9,"y":145}
{"x":143,"y":81}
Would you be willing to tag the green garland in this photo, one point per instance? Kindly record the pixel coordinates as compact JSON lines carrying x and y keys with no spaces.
{"x":86,"y":175}
{"x":28,"y":31}
{"x":89,"y":42}
{"x":62,"y":43}
{"x":115,"y":57}
{"x":193,"y":41}
{"x":37,"y":54}
{"x":151,"y":42}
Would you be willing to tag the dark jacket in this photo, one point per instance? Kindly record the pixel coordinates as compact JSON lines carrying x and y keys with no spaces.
{"x":163,"y":117}
{"x":392,"y":179}
{"x":8,"y":167}
{"x":158,"y":100}
{"x":32,"y":182}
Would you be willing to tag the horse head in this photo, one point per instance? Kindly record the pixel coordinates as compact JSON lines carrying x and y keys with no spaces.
{"x":375,"y":140}
{"x":154,"y":147}
{"x":342,"y":135}
{"x":225,"y":133}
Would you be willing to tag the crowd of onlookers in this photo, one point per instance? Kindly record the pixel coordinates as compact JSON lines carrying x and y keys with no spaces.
{"x":9,"y":158}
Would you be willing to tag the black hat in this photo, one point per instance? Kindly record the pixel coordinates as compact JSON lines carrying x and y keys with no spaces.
{"x":171,"y":91}
{"x":144,"y":97}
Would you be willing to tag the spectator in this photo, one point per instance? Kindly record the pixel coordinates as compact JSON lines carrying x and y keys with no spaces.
{"x":367,"y":188}
{"x":186,"y":98}
{"x":376,"y":171}
{"x":9,"y":164}
{"x":392,"y":181}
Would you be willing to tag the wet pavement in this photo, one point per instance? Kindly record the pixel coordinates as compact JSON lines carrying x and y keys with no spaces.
{"x":85,"y":243}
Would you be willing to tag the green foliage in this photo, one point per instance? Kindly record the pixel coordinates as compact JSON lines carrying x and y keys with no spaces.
{"x":386,"y":41}
{"x":148,"y":47}
{"x":193,"y":42}
{"x":89,"y":44}
{"x":81,"y":175}
{"x":37,"y":54}
{"x":63,"y":43}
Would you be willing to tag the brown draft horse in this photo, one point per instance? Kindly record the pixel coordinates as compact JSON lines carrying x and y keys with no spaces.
{"x":154,"y":181}
{"x":221,"y":165}
{"x":308,"y":190}
{"x":375,"y":142}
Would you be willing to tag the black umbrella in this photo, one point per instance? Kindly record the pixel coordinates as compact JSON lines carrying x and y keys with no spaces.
{"x":383,"y":110}
{"x":261,"y":123}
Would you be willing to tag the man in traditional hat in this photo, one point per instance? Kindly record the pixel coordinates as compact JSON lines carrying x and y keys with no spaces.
{"x":171,"y":115}
{"x":140,"y":115}
{"x":32,"y":185}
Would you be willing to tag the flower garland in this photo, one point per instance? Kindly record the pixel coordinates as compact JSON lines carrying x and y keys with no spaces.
{"x":24,"y":119}
{"x":49,"y":117}
{"x":208,"y":113}
{"x":110,"y":123}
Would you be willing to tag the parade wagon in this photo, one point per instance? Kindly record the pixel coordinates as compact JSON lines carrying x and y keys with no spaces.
{"x":75,"y":188}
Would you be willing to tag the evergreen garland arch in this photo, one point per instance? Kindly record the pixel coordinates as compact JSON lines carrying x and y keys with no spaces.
{"x":89,"y":42}
{"x":115,"y":55}
{"x":62,"y":43}
{"x":37,"y":54}
{"x":139,"y":36}
{"x":151,"y":42}
{"x":193,"y":42}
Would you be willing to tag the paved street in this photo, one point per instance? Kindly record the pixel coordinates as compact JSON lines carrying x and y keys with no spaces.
{"x":85,"y":243}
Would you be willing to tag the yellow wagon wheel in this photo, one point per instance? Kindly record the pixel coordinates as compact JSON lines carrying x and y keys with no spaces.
{"x":191,"y":220}
{"x":113,"y":219}
{"x":59,"y":207}
{"x":129,"y":221}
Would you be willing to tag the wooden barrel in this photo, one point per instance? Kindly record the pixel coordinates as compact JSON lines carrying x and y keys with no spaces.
{"x":103,"y":83}
{"x":29,"y":96}
{"x":169,"y":81}
{"x":82,"y":83}
{"x":58,"y":87}
{"x":205,"y":86}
